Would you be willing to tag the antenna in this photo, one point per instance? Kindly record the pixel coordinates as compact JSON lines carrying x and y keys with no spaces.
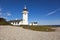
{"x":24,"y":4}
{"x":25,"y":7}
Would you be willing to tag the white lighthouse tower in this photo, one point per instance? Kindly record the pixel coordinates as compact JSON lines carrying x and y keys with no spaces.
{"x":25,"y":16}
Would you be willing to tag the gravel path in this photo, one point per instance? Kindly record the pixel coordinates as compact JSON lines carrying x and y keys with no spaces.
{"x":18,"y":33}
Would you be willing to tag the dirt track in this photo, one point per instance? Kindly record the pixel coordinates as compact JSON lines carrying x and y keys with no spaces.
{"x":18,"y":33}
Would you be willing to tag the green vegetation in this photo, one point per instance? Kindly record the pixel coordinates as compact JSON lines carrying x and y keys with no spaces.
{"x":39,"y":28}
{"x":3,"y":22}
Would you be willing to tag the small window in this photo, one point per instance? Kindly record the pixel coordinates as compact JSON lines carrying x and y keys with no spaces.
{"x":18,"y":22}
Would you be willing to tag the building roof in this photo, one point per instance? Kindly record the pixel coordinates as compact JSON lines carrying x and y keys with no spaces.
{"x":15,"y":20}
{"x":25,"y":9}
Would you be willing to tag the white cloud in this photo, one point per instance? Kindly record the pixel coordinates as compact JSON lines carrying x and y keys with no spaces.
{"x":0,"y":9}
{"x":8,"y":14}
{"x":0,"y":13}
{"x":1,"y":16}
{"x":4,"y":17}
{"x":16,"y":18}
{"x":53,"y":12}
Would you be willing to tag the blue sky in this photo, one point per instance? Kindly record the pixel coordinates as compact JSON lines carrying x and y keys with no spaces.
{"x":45,"y":12}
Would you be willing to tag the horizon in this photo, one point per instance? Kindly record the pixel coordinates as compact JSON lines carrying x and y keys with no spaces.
{"x":45,"y":12}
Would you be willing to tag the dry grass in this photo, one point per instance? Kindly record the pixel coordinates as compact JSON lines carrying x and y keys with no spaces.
{"x":39,"y":28}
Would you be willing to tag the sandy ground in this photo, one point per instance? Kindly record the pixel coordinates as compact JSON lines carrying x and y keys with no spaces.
{"x":18,"y":33}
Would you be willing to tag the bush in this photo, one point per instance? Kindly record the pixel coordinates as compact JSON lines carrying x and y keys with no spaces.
{"x":3,"y":22}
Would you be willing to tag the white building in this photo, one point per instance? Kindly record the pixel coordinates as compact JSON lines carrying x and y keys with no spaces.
{"x":24,"y":20}
{"x":25,"y":16}
{"x":33,"y":23}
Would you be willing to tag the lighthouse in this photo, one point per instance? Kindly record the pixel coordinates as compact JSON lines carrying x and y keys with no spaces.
{"x":25,"y":16}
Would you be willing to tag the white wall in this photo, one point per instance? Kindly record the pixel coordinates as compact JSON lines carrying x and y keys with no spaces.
{"x":25,"y":17}
{"x":16,"y":23}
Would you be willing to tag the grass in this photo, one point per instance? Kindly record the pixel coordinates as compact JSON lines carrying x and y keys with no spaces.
{"x":39,"y":28}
